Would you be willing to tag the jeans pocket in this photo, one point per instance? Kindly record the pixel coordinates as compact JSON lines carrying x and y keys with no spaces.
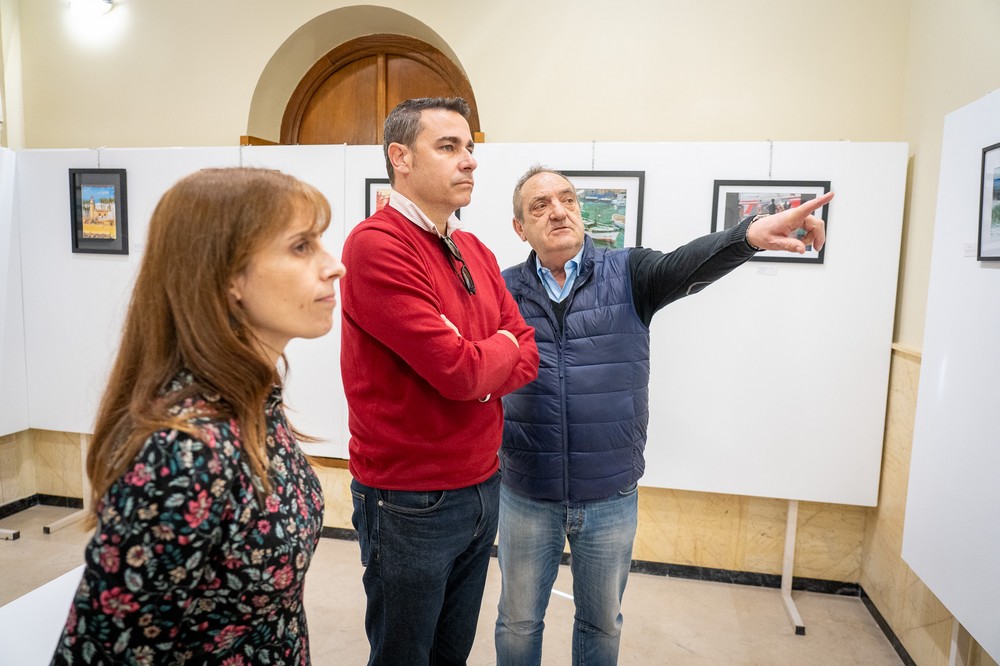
{"x":631,"y":490}
{"x":360,"y":521}
{"x":411,"y":502}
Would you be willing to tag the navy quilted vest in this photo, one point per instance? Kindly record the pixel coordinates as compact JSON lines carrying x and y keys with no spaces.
{"x":577,"y":433}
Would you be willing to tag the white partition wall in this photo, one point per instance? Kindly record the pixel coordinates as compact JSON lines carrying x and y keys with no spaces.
{"x":772,"y":382}
{"x":13,"y":377}
{"x":314,"y":395}
{"x":950,"y":537}
{"x":74,"y":304}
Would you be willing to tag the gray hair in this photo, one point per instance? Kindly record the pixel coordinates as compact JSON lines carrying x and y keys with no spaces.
{"x":528,"y":175}
{"x":402,"y":125}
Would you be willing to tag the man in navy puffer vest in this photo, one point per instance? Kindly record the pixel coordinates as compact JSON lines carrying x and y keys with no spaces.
{"x":573,"y":439}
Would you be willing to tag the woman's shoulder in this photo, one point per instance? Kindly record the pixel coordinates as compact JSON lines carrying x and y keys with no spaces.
{"x":205,"y":438}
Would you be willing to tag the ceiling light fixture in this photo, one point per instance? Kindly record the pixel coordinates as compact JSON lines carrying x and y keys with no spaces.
{"x":91,"y":7}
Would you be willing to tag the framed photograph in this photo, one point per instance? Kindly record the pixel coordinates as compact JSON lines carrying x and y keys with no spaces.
{"x":611,"y":205}
{"x":989,"y":206}
{"x":377,"y":196}
{"x":98,"y":211}
{"x":736,"y":200}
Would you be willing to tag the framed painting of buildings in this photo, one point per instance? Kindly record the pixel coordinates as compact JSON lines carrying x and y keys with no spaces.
{"x":98,"y":211}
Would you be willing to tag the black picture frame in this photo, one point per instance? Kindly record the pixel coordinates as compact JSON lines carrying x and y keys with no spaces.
{"x":735,"y":200}
{"x":989,"y":206}
{"x":377,"y":195}
{"x":608,"y":200}
{"x":98,"y":203}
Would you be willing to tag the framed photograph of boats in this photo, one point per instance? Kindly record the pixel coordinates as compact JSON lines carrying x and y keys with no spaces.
{"x":611,"y":205}
{"x":98,"y":211}
{"x":989,"y":206}
{"x":736,"y":200}
{"x":377,"y":196}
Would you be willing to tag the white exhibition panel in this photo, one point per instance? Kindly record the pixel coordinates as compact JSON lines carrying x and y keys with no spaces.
{"x":30,"y":626}
{"x":314,"y":392}
{"x":74,"y":304}
{"x":772,"y":382}
{"x":950,"y":535}
{"x":13,"y":375}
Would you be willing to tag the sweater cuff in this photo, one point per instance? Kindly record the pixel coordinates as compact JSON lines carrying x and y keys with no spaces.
{"x":746,"y":228}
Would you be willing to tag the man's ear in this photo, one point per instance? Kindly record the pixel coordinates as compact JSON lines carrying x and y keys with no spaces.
{"x":518,"y":228}
{"x":400,"y":158}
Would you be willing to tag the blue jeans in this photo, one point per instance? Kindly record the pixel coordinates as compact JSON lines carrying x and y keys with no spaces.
{"x":425,"y":556}
{"x":532,"y":536}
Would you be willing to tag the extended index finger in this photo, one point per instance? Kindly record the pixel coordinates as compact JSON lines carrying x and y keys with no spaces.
{"x":807,"y":207}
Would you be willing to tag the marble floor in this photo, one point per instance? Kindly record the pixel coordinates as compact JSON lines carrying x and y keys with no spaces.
{"x":667,"y":620}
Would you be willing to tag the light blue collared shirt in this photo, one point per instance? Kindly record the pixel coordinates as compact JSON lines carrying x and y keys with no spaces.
{"x":552,"y":288}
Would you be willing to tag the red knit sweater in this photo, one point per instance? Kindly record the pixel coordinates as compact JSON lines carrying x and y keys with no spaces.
{"x":414,"y":387}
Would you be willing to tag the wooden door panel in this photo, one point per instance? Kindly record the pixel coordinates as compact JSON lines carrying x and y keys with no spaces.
{"x":407,"y":78}
{"x":342,"y":110}
{"x":346,"y":95}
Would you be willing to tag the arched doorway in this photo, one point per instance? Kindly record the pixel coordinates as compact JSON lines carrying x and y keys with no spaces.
{"x":311,"y":43}
{"x":347,"y":94}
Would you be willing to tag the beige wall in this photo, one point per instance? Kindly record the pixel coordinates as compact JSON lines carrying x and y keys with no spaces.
{"x":193,"y":73}
{"x":17,"y":468}
{"x":184,"y":72}
{"x":953,"y":58}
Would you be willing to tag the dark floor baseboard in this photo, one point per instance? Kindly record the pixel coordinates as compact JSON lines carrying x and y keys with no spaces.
{"x":16,"y":506}
{"x":744,"y":578}
{"x":339,"y":533}
{"x":887,"y":630}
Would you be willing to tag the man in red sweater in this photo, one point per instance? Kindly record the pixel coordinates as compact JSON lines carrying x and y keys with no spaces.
{"x":431,"y":341}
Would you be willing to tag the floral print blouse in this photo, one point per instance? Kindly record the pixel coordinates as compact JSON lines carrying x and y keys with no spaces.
{"x":186,"y":566}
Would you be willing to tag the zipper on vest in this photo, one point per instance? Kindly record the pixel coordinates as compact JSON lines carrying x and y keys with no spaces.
{"x":562,"y":412}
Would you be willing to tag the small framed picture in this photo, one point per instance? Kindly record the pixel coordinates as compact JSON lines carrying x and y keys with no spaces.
{"x":98,"y":211}
{"x":736,"y":200}
{"x":611,"y":205}
{"x":377,"y":196}
{"x":989,"y":205}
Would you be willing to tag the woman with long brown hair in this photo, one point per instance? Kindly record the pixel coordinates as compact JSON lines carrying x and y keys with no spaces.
{"x":206,"y":511}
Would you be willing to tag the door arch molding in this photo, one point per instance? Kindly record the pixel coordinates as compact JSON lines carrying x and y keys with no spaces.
{"x":309,"y":43}
{"x":346,"y":94}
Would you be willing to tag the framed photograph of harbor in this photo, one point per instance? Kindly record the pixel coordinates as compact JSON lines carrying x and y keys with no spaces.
{"x":736,"y":200}
{"x":611,"y":205}
{"x":377,"y":196}
{"x":989,"y":206}
{"x":98,"y":211}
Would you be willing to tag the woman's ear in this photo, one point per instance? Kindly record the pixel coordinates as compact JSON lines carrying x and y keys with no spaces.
{"x":236,"y":289}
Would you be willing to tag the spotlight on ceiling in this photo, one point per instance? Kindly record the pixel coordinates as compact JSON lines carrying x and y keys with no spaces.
{"x":91,"y":7}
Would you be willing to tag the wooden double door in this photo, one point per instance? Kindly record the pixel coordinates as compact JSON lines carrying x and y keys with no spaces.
{"x":345,"y":97}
